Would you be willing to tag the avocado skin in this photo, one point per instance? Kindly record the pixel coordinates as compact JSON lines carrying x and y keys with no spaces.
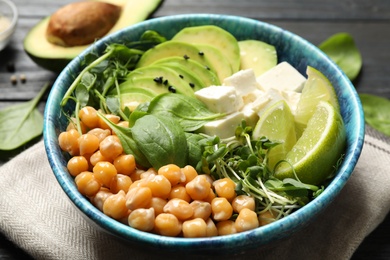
{"x":59,"y":58}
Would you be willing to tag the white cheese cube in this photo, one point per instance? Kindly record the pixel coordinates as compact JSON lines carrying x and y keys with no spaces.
{"x":244,"y":81}
{"x":250,"y":116}
{"x":282,"y":77}
{"x":252,"y":96}
{"x":220,"y":99}
{"x":224,"y":127}
{"x":266,"y":100}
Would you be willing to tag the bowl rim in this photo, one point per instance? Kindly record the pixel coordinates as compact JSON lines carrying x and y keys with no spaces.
{"x":287,"y":224}
{"x":15,"y":15}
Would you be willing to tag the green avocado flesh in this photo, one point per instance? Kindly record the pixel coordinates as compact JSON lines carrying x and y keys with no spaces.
{"x":214,"y":36}
{"x":55,"y":58}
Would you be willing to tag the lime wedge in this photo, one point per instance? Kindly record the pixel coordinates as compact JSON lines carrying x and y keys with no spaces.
{"x":317,"y":151}
{"x":317,"y":88}
{"x":277,"y":124}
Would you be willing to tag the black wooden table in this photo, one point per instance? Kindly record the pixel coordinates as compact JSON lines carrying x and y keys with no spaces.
{"x":367,"y":21}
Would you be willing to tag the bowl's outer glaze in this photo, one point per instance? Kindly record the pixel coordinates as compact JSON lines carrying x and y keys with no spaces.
{"x":291,"y":48}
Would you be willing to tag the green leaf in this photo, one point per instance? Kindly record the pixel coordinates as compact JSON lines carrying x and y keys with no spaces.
{"x":161,"y":140}
{"x":376,"y":112}
{"x":188,"y":111}
{"x":21,"y":123}
{"x":194,"y":148}
{"x":342,"y":50}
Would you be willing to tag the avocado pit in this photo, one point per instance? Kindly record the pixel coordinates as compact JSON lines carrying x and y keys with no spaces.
{"x":81,"y":23}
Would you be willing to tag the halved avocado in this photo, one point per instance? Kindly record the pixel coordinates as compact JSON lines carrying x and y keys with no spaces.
{"x":55,"y":58}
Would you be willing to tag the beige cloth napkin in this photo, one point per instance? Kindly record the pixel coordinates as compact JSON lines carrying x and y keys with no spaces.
{"x":38,"y":217}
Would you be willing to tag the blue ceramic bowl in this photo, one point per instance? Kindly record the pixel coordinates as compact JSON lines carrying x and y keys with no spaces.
{"x":291,"y":48}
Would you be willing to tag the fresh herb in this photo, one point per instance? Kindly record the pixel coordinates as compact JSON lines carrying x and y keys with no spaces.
{"x":376,"y":111}
{"x":342,"y":50}
{"x":21,"y":123}
{"x":244,"y":160}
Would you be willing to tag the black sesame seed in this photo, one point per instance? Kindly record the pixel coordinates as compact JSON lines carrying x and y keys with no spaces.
{"x":207,"y":67}
{"x":172,"y":89}
{"x":158,"y":80}
{"x":165,"y":82}
{"x":181,"y":76}
{"x":186,"y":57}
{"x":201,"y":53}
{"x":192,"y":85}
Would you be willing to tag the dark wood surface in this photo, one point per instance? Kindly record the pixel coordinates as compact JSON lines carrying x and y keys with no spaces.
{"x":367,"y":21}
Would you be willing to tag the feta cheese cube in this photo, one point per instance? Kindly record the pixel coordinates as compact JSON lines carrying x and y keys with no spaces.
{"x":291,"y":98}
{"x":250,"y":116}
{"x":266,"y":100}
{"x":224,"y":127}
{"x":282,"y":77}
{"x":220,"y":99}
{"x":244,"y":81}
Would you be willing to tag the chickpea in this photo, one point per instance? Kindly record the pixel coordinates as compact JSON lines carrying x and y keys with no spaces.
{"x":180,"y":208}
{"x":221,"y":209}
{"x":243,"y":201}
{"x":104,"y":172}
{"x":159,"y":185}
{"x":173,"y":173}
{"x":87,"y":184}
{"x":125,"y":164}
{"x":211,"y":228}
{"x":194,"y":228}
{"x":246,"y":220}
{"x":115,"y":206}
{"x":198,"y":188}
{"x":189,"y":173}
{"x":142,"y":219}
{"x":158,"y":205}
{"x":226,"y":227}
{"x":113,"y":118}
{"x":138,"y":197}
{"x":68,"y":141}
{"x":167,"y":224}
{"x":100,"y":133}
{"x":98,"y":157}
{"x":120,"y":182}
{"x":88,"y":143}
{"x":179,"y":191}
{"x":111,"y":147}
{"x":266,"y":217}
{"x":73,"y":125}
{"x":77,"y":164}
{"x":89,"y":116}
{"x":100,"y":197}
{"x":201,"y":209}
{"x":225,"y":188}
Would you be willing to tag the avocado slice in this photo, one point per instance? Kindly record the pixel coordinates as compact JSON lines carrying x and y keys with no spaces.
{"x":208,"y":77}
{"x":258,"y":55}
{"x":217,"y":60}
{"x":164,"y":78}
{"x":187,"y":75}
{"x":173,"y":49}
{"x":215,"y":36}
{"x":135,"y":96}
{"x":55,"y":58}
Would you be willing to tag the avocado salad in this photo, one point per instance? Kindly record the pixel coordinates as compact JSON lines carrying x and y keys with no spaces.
{"x":195,"y":99}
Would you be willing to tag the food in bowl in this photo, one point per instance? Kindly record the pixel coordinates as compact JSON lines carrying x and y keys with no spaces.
{"x":157,"y":148}
{"x":290,"y":48}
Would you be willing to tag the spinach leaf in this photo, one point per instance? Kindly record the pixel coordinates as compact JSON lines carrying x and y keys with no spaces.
{"x":376,"y":112}
{"x":188,"y":111}
{"x":21,"y":123}
{"x":129,"y":146}
{"x":161,"y":140}
{"x":195,"y":149}
{"x":342,"y":50}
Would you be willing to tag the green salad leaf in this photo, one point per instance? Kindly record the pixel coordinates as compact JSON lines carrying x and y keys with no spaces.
{"x":21,"y":123}
{"x":342,"y":50}
{"x":376,"y":111}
